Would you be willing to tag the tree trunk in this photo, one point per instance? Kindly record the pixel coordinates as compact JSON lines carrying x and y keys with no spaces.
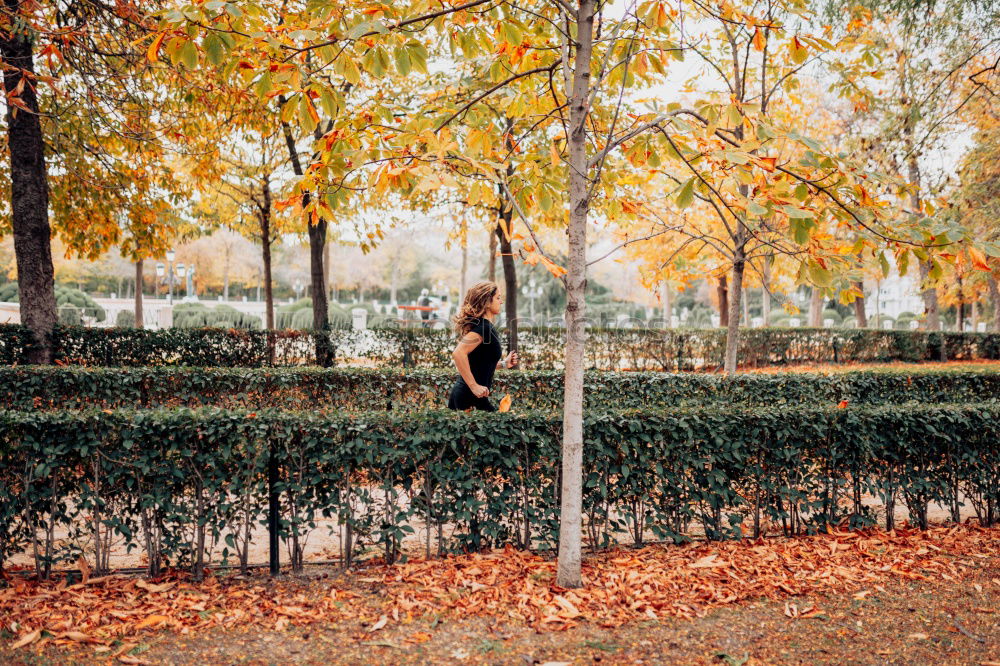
{"x":668,"y":308}
{"x":974,"y":315}
{"x":815,"y":308}
{"x":465,"y":259}
{"x":491,"y":264}
{"x":932,"y":315}
{"x":765,"y":306}
{"x":994,"y":300}
{"x":265,"y":240}
{"x":326,"y":271}
{"x":317,"y":276}
{"x":722,"y":290}
{"x":571,"y":510}
{"x":138,"y":294}
{"x":860,"y":315}
{"x":29,"y":191}
{"x":509,"y":281}
{"x":733,"y":316}
{"x":225,"y":272}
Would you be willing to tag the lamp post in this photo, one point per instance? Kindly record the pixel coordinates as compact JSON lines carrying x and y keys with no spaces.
{"x":171,"y":255}
{"x":531,"y":292}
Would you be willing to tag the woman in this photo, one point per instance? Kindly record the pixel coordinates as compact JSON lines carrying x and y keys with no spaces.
{"x":478,"y":354}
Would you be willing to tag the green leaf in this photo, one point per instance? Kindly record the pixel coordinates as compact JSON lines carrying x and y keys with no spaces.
{"x":686,"y":194}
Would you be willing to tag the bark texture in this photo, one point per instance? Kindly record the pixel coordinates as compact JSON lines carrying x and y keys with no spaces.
{"x":28,"y":189}
{"x":995,"y":301}
{"x":570,"y":520}
{"x":510,"y":284}
{"x":860,"y":316}
{"x":722,"y":290}
{"x":138,"y":294}
{"x":317,"y":273}
{"x":733,"y":318}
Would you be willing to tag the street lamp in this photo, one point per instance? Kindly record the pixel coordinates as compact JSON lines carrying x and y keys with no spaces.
{"x":170,"y":275}
{"x":531,"y":292}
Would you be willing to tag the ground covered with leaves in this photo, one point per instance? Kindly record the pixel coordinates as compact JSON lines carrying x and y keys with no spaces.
{"x":862,"y":597}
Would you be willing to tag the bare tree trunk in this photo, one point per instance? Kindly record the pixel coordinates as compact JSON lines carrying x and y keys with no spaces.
{"x":722,"y":290}
{"x":265,"y":240}
{"x":571,"y":510}
{"x":860,"y":316}
{"x":465,"y":259}
{"x":994,"y":300}
{"x":733,"y":318}
{"x":815,"y":308}
{"x":974,"y":315}
{"x":29,"y":191}
{"x":225,"y":272}
{"x":491,"y":264}
{"x":326,"y":271}
{"x":138,"y":294}
{"x":668,"y":307}
{"x":509,"y":277}
{"x":766,"y":289}
{"x":317,"y":277}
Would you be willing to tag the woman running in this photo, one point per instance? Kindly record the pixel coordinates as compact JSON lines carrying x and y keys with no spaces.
{"x":478,"y":354}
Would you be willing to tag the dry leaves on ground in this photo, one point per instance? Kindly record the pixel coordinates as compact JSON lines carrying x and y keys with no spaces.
{"x":686,"y":581}
{"x":622,"y":585}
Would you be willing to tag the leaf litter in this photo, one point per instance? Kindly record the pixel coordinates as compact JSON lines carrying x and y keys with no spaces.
{"x":622,"y":586}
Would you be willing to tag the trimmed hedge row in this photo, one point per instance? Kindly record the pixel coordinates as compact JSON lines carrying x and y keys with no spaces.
{"x":541,"y":348}
{"x":187,"y":486}
{"x":353,"y":389}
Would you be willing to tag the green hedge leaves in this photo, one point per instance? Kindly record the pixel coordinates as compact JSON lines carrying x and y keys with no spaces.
{"x":185,"y":486}
{"x":360,"y":389}
{"x":540,"y":348}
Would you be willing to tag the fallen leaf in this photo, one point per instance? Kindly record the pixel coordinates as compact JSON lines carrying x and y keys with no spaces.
{"x":918,"y":637}
{"x":27,"y":639}
{"x":128,"y":659}
{"x":382,"y":621}
{"x":152,"y":621}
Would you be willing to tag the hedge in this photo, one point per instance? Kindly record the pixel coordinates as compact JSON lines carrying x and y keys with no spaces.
{"x":354,"y":389}
{"x":541,"y":348}
{"x":178,"y":483}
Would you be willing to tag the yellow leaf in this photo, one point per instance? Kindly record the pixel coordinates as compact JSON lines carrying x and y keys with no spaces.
{"x":505,"y":403}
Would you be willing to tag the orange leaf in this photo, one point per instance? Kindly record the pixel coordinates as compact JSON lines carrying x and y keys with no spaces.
{"x":758,"y":40}
{"x":152,"y":621}
{"x":767,"y":163}
{"x":505,"y":403}
{"x":153,"y":54}
{"x":842,"y":404}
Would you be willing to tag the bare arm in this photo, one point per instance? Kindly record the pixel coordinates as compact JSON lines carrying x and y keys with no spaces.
{"x":461,"y":357}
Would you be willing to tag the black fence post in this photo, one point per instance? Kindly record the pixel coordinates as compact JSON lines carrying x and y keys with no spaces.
{"x":273,"y":511}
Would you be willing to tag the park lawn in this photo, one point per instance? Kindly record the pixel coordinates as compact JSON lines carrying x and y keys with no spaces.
{"x":859,"y":597}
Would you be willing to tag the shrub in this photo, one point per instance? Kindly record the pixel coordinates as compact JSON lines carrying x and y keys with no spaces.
{"x":493,"y":478}
{"x":363,"y":389}
{"x":125,"y":319}
{"x":540,"y":348}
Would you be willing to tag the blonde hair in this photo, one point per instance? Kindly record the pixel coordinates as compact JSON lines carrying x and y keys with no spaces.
{"x":474,"y":306}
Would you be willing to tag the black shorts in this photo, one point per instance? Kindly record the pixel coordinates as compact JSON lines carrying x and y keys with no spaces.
{"x":461,"y":397}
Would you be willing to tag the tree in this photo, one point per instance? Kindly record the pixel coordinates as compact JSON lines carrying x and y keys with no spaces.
{"x":907,"y":76}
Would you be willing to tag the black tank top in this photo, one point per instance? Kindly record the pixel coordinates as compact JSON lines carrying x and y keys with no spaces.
{"x":484,"y":358}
